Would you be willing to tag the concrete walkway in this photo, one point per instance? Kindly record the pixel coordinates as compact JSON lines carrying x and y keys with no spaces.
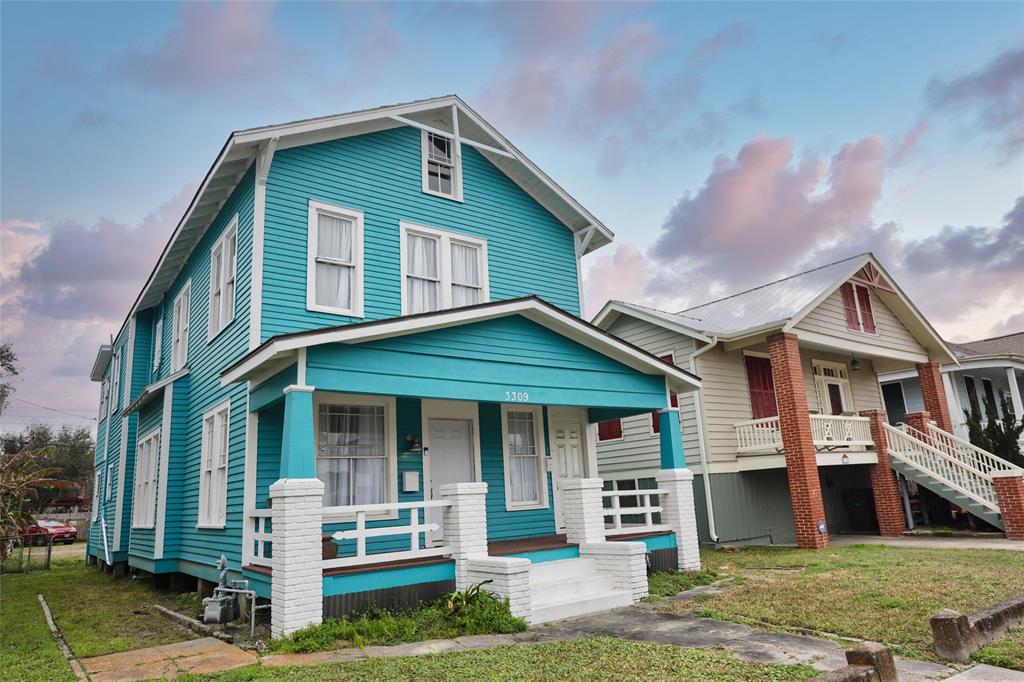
{"x":205,"y":655}
{"x":922,"y":542}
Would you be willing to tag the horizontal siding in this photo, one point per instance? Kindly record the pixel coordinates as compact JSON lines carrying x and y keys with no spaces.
{"x":640,"y":448}
{"x":726,"y":400}
{"x":529,"y":250}
{"x":830,"y":318}
{"x":483,"y":361}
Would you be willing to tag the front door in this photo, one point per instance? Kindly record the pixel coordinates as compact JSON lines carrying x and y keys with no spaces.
{"x":569,"y":458}
{"x":451,"y":460}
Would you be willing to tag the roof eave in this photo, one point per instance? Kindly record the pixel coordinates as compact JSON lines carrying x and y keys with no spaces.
{"x":99,"y":365}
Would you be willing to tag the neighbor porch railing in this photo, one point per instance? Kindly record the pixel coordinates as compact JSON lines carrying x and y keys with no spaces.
{"x":964,"y":450}
{"x":415,"y":527}
{"x":828,"y":431}
{"x":645,"y":507}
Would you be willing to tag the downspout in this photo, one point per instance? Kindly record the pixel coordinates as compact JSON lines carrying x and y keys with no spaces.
{"x":701,"y":436}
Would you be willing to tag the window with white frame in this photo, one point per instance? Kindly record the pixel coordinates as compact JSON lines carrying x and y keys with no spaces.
{"x":213,"y":473}
{"x":334,"y":273}
{"x":104,"y":396}
{"x":158,"y":338}
{"x":355,"y":455}
{"x":95,"y":494}
{"x":442,"y":172}
{"x":857,"y":307}
{"x":147,"y":463}
{"x":441,"y":269}
{"x":832,"y":384}
{"x":110,"y":482}
{"x":523,"y":443}
{"x":180,"y":325}
{"x":115,"y":382}
{"x":223,"y":262}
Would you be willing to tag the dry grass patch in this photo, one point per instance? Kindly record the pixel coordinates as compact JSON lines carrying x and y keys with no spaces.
{"x":883,"y":594}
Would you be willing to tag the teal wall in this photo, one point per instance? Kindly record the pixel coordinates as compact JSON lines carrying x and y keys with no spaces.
{"x":482,"y":361}
{"x":529,"y":250}
{"x":150,"y":417}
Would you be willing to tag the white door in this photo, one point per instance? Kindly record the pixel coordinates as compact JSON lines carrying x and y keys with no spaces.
{"x":450,"y":443}
{"x":568,"y":458}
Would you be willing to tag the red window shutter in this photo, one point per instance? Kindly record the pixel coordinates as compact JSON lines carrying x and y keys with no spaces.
{"x":864,"y":299}
{"x":609,"y":429}
{"x":850,"y":306}
{"x":761,"y":387}
{"x":655,"y":422}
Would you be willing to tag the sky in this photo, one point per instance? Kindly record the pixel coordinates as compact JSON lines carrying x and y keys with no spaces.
{"x":725,"y":144}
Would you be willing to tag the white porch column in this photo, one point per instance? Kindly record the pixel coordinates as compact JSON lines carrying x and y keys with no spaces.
{"x":297,"y":584}
{"x":953,"y":400}
{"x":465,"y":525}
{"x":582,"y":510}
{"x":677,"y":512}
{"x":1011,"y":379}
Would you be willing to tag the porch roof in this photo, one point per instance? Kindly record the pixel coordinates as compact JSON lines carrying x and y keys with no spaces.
{"x":287,"y":349}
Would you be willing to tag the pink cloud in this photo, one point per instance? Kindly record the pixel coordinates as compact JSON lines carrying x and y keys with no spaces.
{"x":909,"y":143}
{"x":622,"y":275}
{"x":732,"y":35}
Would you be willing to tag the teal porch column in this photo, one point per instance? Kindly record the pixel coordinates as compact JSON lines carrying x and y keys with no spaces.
{"x":298,"y":456}
{"x":672,"y":456}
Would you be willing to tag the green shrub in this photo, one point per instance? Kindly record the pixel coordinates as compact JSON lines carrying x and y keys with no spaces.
{"x":482,"y":614}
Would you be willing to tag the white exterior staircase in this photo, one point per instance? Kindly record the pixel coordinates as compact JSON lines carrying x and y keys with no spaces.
{"x":572,"y":587}
{"x":948,"y":466}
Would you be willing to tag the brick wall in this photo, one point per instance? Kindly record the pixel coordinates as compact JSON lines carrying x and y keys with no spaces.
{"x":1010,"y":493}
{"x":934,"y":394}
{"x":888,"y":506}
{"x":795,"y":423}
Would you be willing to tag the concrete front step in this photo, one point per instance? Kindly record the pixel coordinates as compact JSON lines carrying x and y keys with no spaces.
{"x":578,"y":606}
{"x":563,"y":569}
{"x":582,"y":586}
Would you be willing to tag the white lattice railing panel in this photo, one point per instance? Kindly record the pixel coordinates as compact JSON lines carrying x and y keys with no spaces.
{"x":415,"y":528}
{"x":758,"y":435}
{"x":262,"y":537}
{"x":829,"y":430}
{"x":644,"y":507}
{"x":911,"y":447}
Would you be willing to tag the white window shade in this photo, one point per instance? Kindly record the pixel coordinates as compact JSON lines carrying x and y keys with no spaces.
{"x":523,"y":449}
{"x":335,"y":270}
{"x":423,"y":282}
{"x":214,"y":466}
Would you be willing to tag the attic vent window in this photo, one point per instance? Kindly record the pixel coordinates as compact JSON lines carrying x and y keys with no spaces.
{"x":441,"y":173}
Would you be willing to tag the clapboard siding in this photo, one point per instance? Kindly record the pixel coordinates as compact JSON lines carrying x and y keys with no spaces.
{"x":726,"y":400}
{"x":830,"y":318}
{"x":529,"y":250}
{"x":639,"y":450}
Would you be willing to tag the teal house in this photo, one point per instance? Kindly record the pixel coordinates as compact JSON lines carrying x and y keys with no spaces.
{"x":358,"y":372}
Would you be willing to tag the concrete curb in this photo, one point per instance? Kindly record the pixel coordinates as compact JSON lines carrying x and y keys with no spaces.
{"x":62,"y":643}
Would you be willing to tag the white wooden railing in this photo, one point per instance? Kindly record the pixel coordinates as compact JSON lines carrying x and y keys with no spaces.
{"x":828,"y":430}
{"x":645,"y":508}
{"x":416,"y":527}
{"x":964,"y":450}
{"x":261,"y":536}
{"x":910,"y":446}
{"x":758,"y":435}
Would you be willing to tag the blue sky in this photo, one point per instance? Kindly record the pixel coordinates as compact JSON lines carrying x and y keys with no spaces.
{"x":891,"y":127}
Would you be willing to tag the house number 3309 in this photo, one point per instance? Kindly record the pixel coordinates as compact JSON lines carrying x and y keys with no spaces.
{"x":516,"y":396}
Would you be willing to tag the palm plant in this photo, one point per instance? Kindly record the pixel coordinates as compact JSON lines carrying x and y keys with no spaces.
{"x":21,"y":479}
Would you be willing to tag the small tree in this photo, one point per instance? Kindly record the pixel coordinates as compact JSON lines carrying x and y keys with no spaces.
{"x":9,"y":369}
{"x":1001,"y":437}
{"x":21,"y":479}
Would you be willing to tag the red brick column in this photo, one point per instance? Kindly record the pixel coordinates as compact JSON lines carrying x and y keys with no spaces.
{"x":934,"y":394}
{"x":919,"y":421}
{"x":888,"y":506}
{"x":795,"y":423}
{"x":1009,"y":487}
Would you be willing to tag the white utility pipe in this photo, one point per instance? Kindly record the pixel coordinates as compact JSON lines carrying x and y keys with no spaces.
{"x":706,"y":475}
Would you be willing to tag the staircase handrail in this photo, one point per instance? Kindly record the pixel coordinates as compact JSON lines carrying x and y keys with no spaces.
{"x":906,"y":433}
{"x":980,"y":455}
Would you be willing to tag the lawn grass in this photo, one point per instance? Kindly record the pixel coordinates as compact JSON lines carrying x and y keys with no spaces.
{"x":97,"y":614}
{"x":1008,"y":652}
{"x":670,"y":584}
{"x":485,"y":615}
{"x":600,"y":659}
{"x":879,"y":593}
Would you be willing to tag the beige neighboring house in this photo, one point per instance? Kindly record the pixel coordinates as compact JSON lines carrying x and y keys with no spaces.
{"x":788,"y":438}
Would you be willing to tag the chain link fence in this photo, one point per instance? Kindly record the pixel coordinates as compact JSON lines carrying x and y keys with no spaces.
{"x":23,"y":553}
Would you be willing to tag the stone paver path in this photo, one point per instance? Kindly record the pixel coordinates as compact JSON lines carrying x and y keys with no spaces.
{"x":205,"y":655}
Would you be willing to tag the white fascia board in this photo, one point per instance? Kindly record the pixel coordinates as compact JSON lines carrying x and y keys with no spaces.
{"x":987,"y":362}
{"x":149,"y":392}
{"x":613,"y":309}
{"x":888,"y":377}
{"x":99,"y":365}
{"x":566,"y":325}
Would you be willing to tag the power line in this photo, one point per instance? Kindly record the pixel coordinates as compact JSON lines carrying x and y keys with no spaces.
{"x":53,"y":409}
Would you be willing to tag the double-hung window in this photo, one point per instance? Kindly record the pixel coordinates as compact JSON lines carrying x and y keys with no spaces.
{"x":857,"y":306}
{"x":147,"y":463}
{"x":213,"y":473}
{"x":356,"y":450}
{"x":441,"y":269}
{"x":442,"y":172}
{"x":334,"y":272}
{"x":525,"y":485}
{"x":180,"y":327}
{"x":223,"y":262}
{"x":158,"y":339}
{"x":110,"y":481}
{"x":115,"y":381}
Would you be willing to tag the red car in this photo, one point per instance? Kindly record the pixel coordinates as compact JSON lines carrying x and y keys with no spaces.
{"x":57,"y":530}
